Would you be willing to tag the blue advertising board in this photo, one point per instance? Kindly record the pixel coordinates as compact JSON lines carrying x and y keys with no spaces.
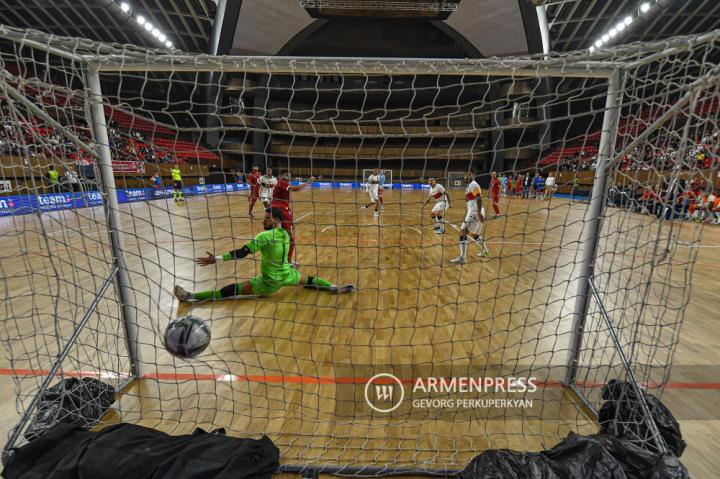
{"x":24,"y":204}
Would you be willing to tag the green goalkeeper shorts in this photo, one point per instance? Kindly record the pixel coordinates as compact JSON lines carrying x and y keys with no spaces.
{"x":264,"y":285}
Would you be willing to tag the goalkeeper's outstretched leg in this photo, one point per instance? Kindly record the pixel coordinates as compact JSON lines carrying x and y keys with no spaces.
{"x":257,"y":287}
{"x":276,"y":271}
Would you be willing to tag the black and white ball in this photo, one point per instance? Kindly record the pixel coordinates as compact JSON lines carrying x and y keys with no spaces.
{"x":187,"y":337}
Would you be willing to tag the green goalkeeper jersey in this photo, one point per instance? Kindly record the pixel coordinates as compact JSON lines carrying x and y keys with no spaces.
{"x":273,"y":246}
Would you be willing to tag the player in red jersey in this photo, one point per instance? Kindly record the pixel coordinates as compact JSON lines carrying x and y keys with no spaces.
{"x":519,"y":185}
{"x":252,"y":179}
{"x":495,"y":193}
{"x":281,"y":200}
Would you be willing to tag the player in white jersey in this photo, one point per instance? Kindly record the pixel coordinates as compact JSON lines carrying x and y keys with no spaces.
{"x":374,"y":191}
{"x":442,"y":203}
{"x":474,"y":218}
{"x":267,"y":183}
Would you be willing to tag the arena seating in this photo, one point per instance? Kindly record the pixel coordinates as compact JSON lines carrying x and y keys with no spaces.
{"x":628,"y":128}
{"x":164,"y":139}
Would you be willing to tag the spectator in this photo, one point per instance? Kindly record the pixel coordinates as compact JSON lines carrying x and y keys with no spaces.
{"x":715,"y":210}
{"x":73,"y":181}
{"x":156,"y":180}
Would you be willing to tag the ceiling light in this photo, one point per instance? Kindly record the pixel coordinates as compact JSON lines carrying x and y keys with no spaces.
{"x":162,"y":37}
{"x":613,"y":32}
{"x":620,"y":26}
{"x":628,"y":20}
{"x":605,"y":38}
{"x":141,"y":20}
{"x":592,"y":49}
{"x":168,"y":44}
{"x":645,"y":7}
{"x":148,"y":26}
{"x":125,"y":7}
{"x":155,"y":32}
{"x":599,"y":43}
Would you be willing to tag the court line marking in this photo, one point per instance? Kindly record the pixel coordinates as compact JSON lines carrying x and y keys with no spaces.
{"x":304,"y":216}
{"x":327,"y":228}
{"x":298,"y":379}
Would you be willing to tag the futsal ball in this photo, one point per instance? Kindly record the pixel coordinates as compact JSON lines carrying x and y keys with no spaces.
{"x":187,"y":337}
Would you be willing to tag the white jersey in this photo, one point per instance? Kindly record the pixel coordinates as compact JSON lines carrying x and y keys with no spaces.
{"x":438,"y":192}
{"x":472,"y":189}
{"x":550,"y":182}
{"x":373,"y":183}
{"x":267,"y":184}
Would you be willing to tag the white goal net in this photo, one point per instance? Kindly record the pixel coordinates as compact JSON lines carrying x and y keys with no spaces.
{"x":98,"y":228}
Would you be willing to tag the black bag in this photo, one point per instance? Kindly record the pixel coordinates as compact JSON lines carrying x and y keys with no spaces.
{"x":577,"y":457}
{"x":82,"y":402}
{"x":127,"y":450}
{"x":621,"y":416}
{"x":507,"y":464}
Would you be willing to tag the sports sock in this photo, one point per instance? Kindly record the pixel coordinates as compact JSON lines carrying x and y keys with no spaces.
{"x":318,"y":282}
{"x":205,"y":295}
{"x":463,"y":247}
{"x":495,"y":207}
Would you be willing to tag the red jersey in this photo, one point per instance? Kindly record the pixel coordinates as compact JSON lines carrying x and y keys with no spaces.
{"x":252,"y":178}
{"x":495,"y":186}
{"x":281,"y":193}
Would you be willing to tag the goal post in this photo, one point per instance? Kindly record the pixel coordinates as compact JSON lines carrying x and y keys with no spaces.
{"x":388,"y":174}
{"x":570,"y":295}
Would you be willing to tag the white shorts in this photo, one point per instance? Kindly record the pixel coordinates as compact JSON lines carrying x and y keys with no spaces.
{"x":374,"y":195}
{"x":472,"y":223}
{"x":440,"y":207}
{"x":265,"y":198}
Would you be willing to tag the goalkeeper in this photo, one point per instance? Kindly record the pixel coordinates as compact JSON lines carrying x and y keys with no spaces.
{"x":276,"y":271}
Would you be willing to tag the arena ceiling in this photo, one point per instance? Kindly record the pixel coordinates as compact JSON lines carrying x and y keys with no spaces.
{"x":577,"y":24}
{"x":187,"y":23}
{"x":493,"y":27}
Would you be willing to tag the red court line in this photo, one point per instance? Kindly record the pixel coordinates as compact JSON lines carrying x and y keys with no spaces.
{"x":310,"y":379}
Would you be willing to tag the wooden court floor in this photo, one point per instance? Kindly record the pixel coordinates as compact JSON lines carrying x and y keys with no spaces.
{"x":293,"y":365}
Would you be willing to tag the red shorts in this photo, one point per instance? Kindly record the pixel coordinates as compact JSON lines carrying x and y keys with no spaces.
{"x":496,"y":198}
{"x":287,"y":220}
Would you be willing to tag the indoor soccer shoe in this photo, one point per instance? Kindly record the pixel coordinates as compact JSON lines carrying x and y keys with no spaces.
{"x":348,"y":288}
{"x":181,"y":294}
{"x":485,"y":254}
{"x":458,"y":260}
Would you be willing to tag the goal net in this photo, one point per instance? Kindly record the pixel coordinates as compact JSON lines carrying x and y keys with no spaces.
{"x":442,"y":353}
{"x":384,"y":176}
